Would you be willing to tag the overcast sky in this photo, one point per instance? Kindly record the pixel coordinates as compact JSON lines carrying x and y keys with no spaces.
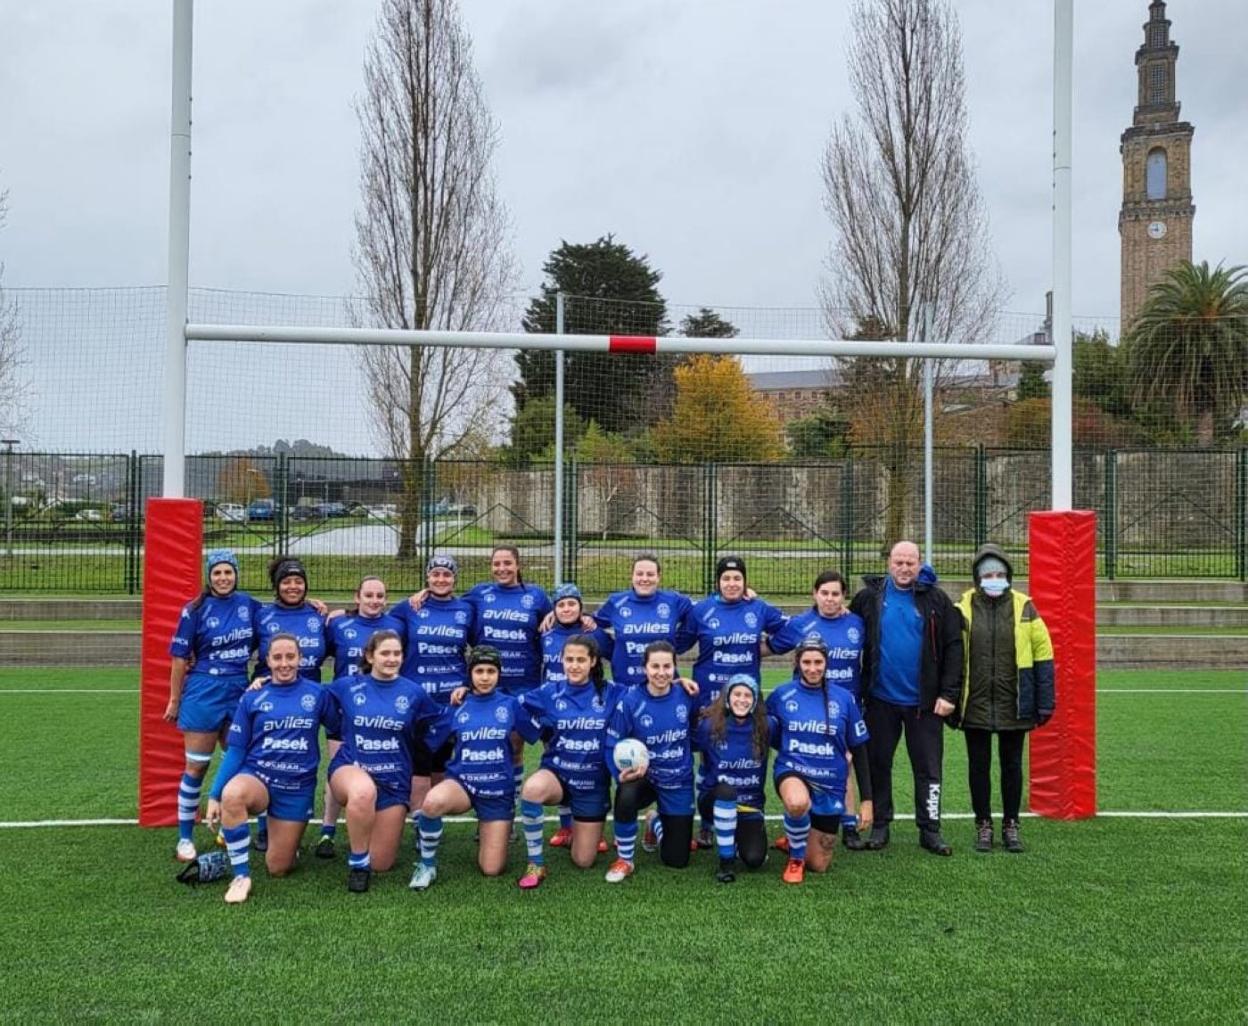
{"x":691,"y":130}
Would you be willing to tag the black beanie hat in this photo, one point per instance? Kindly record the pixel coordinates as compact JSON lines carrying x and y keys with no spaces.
{"x":729,"y":563}
{"x":284,"y":568}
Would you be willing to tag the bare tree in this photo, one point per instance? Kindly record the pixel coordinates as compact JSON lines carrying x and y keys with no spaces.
{"x":12,"y":384}
{"x":911,"y":228}
{"x":432,"y":238}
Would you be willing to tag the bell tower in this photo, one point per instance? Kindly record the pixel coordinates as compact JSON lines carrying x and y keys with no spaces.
{"x":1155,"y":222}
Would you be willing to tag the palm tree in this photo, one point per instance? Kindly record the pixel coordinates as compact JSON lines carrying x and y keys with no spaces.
{"x":1188,"y":348}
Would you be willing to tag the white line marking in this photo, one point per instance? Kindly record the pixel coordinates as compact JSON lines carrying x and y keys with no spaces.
{"x":69,"y":691}
{"x":1117,"y":814}
{"x":1172,"y":691}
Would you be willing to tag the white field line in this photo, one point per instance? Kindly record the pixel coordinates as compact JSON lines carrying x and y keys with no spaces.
{"x":1113,"y":814}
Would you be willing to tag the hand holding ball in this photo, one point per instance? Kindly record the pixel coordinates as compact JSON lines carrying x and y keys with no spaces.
{"x":631,"y":754}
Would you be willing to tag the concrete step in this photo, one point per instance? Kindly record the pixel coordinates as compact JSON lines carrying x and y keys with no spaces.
{"x":1162,"y":616}
{"x":1155,"y":651}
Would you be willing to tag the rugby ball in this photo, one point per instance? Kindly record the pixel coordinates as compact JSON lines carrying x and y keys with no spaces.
{"x":631,"y":754}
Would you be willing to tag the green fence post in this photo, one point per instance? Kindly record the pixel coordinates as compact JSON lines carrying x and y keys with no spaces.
{"x":571,"y":543}
{"x":133,"y":514}
{"x":1111,"y":513}
{"x":429,"y":514}
{"x":847,"y":517}
{"x":1241,"y":514}
{"x":281,"y":498}
{"x":981,"y":496}
{"x":710,"y":513}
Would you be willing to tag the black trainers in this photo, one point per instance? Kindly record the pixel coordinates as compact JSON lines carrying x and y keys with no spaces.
{"x":879,"y":837}
{"x":851,"y":839}
{"x":325,"y":847}
{"x":358,"y":879}
{"x":1009,"y":837}
{"x":261,"y":841}
{"x":983,"y":835}
{"x":930,"y":840}
{"x":704,"y":840}
{"x":726,"y":874}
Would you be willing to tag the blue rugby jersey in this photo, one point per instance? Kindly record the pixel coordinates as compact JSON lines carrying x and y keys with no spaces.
{"x":729,"y":635}
{"x":552,"y":649}
{"x":434,"y":639}
{"x":732,"y":761}
{"x":635,"y":622}
{"x":482,"y":727}
{"x":507,"y":618}
{"x":664,"y":725}
{"x":844,"y":635}
{"x":277,"y":728}
{"x":574,"y":723}
{"x":378,"y":722}
{"x":349,"y":634}
{"x":812,"y":739}
{"x":219,"y":635}
{"x":306,"y":624}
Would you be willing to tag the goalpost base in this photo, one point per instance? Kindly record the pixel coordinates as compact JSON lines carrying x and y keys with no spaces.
{"x":1062,"y":583}
{"x":173,"y":540}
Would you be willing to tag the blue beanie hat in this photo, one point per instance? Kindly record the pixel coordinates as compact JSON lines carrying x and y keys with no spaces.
{"x":568,"y":590}
{"x":217,"y":556}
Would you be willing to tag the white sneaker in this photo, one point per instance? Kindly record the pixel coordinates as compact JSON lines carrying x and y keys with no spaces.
{"x":240,"y":888}
{"x":423,"y":877}
{"x":185,"y":851}
{"x":619,"y":871}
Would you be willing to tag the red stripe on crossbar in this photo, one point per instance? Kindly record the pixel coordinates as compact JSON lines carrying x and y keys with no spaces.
{"x":632,"y":344}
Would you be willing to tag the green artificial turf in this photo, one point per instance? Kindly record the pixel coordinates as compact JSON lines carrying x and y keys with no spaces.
{"x":1108,"y":920}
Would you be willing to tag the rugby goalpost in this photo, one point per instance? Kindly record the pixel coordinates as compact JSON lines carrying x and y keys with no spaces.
{"x":1062,"y":541}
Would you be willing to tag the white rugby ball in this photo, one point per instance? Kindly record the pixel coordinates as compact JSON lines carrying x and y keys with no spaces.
{"x":631,"y":754}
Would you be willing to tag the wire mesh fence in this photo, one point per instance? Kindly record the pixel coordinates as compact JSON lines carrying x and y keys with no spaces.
{"x":75,"y":521}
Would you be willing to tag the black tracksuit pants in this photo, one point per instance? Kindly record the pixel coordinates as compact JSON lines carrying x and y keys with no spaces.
{"x":925,"y":745}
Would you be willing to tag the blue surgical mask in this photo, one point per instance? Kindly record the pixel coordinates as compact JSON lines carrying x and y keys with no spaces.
{"x":995,"y":586}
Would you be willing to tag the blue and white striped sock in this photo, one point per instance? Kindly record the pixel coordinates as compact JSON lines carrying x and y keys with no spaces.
{"x":359,"y":860}
{"x":657,"y":826}
{"x":565,"y":817}
{"x":797,"y":830}
{"x":531,"y":814}
{"x":188,"y":804}
{"x":238,"y":844}
{"x":626,"y":839}
{"x":517,"y":779}
{"x":430,"y":838}
{"x":725,"y":827}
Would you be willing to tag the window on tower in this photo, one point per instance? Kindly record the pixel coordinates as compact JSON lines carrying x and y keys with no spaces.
{"x":1157,"y":84}
{"x":1155,"y":175}
{"x":1157,"y":34}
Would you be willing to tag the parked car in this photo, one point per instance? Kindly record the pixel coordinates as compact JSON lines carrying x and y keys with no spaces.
{"x":303,"y":514}
{"x":231,"y":511}
{"x":262,"y":509}
{"x":89,"y":513}
{"x":121,"y":513}
{"x":333,"y":509}
{"x":465,"y":509}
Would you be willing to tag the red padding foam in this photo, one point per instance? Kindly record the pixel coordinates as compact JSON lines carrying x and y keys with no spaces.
{"x":1063,"y":586}
{"x":632,"y":344}
{"x":172,"y":576}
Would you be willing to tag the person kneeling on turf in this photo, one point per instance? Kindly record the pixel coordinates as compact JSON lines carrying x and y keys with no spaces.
{"x":733,"y":736}
{"x":816,"y":725}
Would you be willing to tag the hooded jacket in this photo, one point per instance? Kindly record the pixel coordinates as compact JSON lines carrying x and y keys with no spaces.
{"x":1023,"y":696}
{"x":941,"y":659}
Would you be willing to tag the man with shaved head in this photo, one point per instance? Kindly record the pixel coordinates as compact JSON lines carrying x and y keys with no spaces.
{"x":911,"y":681}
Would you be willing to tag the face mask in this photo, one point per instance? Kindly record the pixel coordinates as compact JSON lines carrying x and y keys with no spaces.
{"x":994,"y":586}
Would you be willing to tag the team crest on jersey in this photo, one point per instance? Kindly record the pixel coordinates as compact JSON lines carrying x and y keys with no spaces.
{"x":526,"y":600}
{"x":244,"y":613}
{"x":502,"y":714}
{"x":682,"y":714}
{"x":402,"y":704}
{"x":461,"y":617}
{"x":274,"y":628}
{"x":212,"y":623}
{"x":791,"y":705}
{"x":314,"y":624}
{"x":751,"y":620}
{"x":647,"y":722}
{"x":834,"y":709}
{"x":359,"y":698}
{"x":308,"y":703}
{"x":664,"y":610}
{"x":265,"y":706}
{"x":853,"y":635}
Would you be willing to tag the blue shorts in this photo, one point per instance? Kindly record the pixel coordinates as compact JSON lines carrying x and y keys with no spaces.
{"x":488,"y":808}
{"x":208,"y":702}
{"x":388,"y":795}
{"x":674,"y":801}
{"x":295,"y":806}
{"x":823,"y":802}
{"x":589,"y":805}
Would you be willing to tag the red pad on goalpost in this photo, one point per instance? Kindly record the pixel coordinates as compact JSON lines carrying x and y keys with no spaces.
{"x":1062,"y":583}
{"x":172,"y":576}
